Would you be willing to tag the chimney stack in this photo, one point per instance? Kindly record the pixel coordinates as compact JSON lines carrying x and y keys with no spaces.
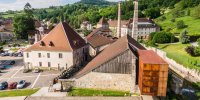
{"x":119,"y":21}
{"x":135,"y":21}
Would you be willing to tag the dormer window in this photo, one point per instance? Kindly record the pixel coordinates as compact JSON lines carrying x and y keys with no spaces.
{"x":42,"y":43}
{"x":51,"y":44}
{"x":75,"y":42}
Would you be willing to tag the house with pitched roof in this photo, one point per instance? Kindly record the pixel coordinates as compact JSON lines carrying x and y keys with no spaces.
{"x":103,"y":23}
{"x":113,"y":68}
{"x":62,"y":47}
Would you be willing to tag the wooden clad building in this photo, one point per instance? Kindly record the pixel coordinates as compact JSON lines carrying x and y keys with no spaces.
{"x":153,"y":74}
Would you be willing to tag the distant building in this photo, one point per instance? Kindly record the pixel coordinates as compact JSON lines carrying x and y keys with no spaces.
{"x":60,"y":48}
{"x":103,"y":23}
{"x":6,"y":30}
{"x":86,"y":25}
{"x":40,"y":31}
{"x":98,"y":42}
{"x":145,"y":27}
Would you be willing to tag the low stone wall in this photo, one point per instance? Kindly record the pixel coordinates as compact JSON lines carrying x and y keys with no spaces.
{"x":191,"y":74}
{"x":110,"y":81}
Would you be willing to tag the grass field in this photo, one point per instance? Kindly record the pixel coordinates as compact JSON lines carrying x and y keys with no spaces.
{"x":96,"y":92}
{"x":13,"y":93}
{"x":193,"y":25}
{"x":177,"y":53}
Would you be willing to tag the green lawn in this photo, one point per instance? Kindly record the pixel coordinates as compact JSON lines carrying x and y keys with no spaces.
{"x":96,"y":92}
{"x":177,"y":53}
{"x":13,"y":93}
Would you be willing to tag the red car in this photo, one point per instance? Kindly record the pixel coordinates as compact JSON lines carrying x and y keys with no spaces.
{"x":12,"y":85}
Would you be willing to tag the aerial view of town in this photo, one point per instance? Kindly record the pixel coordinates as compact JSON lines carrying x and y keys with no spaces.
{"x":99,"y":49}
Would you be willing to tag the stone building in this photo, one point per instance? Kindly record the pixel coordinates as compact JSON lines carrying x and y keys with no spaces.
{"x":113,"y":68}
{"x":6,"y":31}
{"x":98,"y":42}
{"x":60,"y":48}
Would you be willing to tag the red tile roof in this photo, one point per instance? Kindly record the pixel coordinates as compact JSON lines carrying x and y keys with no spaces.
{"x":150,"y":57}
{"x":63,"y":37}
{"x":115,"y":49}
{"x":100,"y":40}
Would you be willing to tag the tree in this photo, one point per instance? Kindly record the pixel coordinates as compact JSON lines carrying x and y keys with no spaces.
{"x":184,"y":38}
{"x":163,"y":37}
{"x":23,"y":23}
{"x":152,"y":12}
{"x":28,"y":10}
{"x":86,"y":32}
{"x":180,"y":24}
{"x":196,"y":13}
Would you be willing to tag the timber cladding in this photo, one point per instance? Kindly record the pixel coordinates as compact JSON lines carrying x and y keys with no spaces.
{"x":153,"y":78}
{"x":123,"y":64}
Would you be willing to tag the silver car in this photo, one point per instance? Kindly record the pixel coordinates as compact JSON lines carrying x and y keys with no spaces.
{"x":21,"y":84}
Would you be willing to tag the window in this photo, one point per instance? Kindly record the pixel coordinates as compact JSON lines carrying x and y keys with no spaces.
{"x":40,"y":64}
{"x":60,"y":55}
{"x":39,"y":55}
{"x":48,"y":55}
{"x":49,"y":64}
{"x":27,"y":55}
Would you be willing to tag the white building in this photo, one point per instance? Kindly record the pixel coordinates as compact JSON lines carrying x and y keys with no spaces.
{"x":145,"y":27}
{"x":61,"y":48}
{"x":86,"y":25}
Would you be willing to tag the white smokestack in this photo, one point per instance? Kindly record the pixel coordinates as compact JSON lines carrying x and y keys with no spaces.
{"x":135,"y":21}
{"x":119,"y":21}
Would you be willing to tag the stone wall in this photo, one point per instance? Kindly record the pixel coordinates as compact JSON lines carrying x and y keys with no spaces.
{"x":106,"y":81}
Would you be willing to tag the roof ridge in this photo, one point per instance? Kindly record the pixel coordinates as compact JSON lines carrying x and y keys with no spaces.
{"x":66,"y":35}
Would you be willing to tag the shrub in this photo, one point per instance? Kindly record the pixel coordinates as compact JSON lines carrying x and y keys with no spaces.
{"x":180,"y":24}
{"x":196,"y":13}
{"x":173,"y":20}
{"x":184,"y":38}
{"x":197,"y":51}
{"x":190,"y":50}
{"x":193,"y":51}
{"x":163,"y":37}
{"x":198,"y":40}
{"x":162,"y":18}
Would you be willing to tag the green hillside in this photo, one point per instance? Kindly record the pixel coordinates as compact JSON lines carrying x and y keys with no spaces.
{"x":193,"y":24}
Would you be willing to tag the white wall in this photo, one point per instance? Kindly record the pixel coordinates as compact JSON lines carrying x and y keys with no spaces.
{"x":33,"y":59}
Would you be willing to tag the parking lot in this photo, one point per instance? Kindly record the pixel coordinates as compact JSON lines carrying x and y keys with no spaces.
{"x":34,"y":80}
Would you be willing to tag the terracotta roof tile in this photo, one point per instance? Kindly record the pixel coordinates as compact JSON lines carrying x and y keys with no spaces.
{"x":150,"y":57}
{"x":100,"y":39}
{"x":118,"y":47}
{"x":63,"y":37}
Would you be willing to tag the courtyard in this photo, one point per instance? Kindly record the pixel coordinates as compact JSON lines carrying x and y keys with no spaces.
{"x":33,"y":80}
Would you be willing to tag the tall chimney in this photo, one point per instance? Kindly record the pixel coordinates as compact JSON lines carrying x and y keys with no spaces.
{"x":135,"y":21}
{"x":119,"y":21}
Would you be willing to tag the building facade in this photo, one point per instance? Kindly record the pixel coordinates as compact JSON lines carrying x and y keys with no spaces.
{"x":60,"y":48}
{"x":86,"y":25}
{"x":145,"y":27}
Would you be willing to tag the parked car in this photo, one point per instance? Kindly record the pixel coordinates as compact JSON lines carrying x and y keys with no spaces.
{"x":36,"y":70}
{"x":9,"y":62}
{"x":21,"y":84}
{"x":26,"y":70}
{"x":12,"y":85}
{"x":3,"y":85}
{"x":5,"y":54}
